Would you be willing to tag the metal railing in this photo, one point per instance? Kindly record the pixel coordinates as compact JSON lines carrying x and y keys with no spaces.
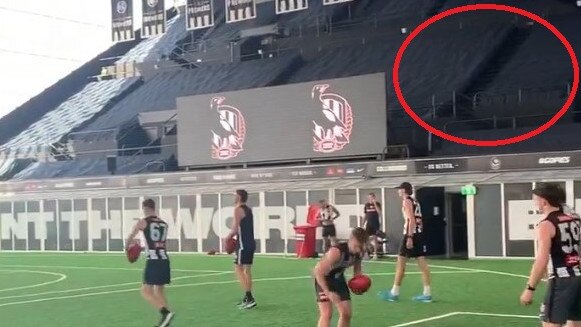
{"x":496,"y":122}
{"x":517,"y":97}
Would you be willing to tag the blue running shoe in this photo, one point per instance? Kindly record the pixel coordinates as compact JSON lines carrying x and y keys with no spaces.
{"x":388,"y":296}
{"x":423,"y":298}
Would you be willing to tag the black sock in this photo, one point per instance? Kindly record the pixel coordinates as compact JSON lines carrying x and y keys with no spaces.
{"x":164,"y":311}
{"x":248,"y":296}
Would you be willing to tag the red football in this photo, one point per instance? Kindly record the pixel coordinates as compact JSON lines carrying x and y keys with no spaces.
{"x":133,"y":252}
{"x":230,"y":245}
{"x":359,"y":284}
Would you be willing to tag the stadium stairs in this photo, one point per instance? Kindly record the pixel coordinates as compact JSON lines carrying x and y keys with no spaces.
{"x":75,"y":102}
{"x":24,"y":116}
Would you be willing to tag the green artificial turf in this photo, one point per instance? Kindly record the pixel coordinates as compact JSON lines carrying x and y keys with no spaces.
{"x":51,"y":290}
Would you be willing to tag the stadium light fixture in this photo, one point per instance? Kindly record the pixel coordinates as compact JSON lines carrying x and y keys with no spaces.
{"x":578,"y":3}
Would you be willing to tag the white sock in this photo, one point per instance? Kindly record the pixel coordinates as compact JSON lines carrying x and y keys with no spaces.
{"x":427,"y":291}
{"x":395,"y":290}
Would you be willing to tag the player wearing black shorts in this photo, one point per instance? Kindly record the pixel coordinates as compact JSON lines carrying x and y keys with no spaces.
{"x":243,"y":227}
{"x":330,"y":284}
{"x":413,"y":246}
{"x":157,"y":272}
{"x":558,"y":240}
{"x":327,"y":216}
{"x":371,"y":220}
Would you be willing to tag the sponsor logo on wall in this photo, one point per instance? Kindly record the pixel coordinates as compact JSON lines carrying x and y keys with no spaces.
{"x":495,"y":163}
{"x":332,"y":133}
{"x":554,"y":160}
{"x":433,"y":166}
{"x":229,"y":141}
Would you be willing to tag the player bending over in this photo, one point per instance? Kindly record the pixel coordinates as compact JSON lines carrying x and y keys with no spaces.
{"x":157,"y":272}
{"x":557,"y":254}
{"x":243,"y":226}
{"x":330,"y":283}
{"x":413,"y":246}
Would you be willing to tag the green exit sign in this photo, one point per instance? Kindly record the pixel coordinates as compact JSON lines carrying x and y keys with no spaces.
{"x":468,"y":190}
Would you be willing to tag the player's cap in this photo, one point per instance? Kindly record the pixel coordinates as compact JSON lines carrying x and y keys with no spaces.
{"x":407,"y":187}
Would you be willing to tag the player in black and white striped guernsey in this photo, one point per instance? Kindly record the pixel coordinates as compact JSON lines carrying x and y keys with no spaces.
{"x":330,"y":283}
{"x":557,"y":253}
{"x":157,"y":272}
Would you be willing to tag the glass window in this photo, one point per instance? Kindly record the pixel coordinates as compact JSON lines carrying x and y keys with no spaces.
{"x":98,"y":221}
{"x":6,"y":223}
{"x":81,"y":225}
{"x":20,"y":226}
{"x":210,"y":223}
{"x":65,"y":219}
{"x":36,"y":230}
{"x":275,"y":224}
{"x":189,"y":215}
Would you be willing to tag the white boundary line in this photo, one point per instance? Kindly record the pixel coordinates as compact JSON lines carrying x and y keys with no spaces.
{"x":108,"y":268}
{"x":60,"y":279}
{"x":451,"y":314}
{"x":283,"y":258}
{"x":412,"y":323}
{"x":494,"y":272}
{"x":186,"y":285}
{"x":104,"y":286}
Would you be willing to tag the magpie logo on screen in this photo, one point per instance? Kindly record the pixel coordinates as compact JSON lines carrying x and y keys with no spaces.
{"x":333,"y":131}
{"x":228,"y":142}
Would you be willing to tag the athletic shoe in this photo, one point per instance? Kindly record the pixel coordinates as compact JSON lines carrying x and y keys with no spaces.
{"x":423,"y":298}
{"x":388,"y":296}
{"x":248,"y":304}
{"x":166,"y":319}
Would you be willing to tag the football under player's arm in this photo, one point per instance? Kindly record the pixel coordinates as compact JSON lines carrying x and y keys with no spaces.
{"x":324,"y":267}
{"x":139,"y":226}
{"x":238,"y":216}
{"x":408,"y":210}
{"x":545,"y":233}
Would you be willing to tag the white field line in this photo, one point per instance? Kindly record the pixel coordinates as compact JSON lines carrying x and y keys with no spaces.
{"x":180,"y":286}
{"x":413,"y":323}
{"x":104,"y":286}
{"x":451,"y":314}
{"x":495,"y":272}
{"x":58,"y":280}
{"x":107,"y":268}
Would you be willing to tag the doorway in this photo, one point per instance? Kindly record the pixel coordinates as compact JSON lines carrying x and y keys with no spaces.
{"x":432,"y":202}
{"x":457,"y":226}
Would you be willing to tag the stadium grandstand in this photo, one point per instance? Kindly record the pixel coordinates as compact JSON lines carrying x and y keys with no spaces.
{"x":294,"y":102}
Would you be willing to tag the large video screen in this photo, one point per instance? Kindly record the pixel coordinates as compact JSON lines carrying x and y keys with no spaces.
{"x":332,"y":118}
